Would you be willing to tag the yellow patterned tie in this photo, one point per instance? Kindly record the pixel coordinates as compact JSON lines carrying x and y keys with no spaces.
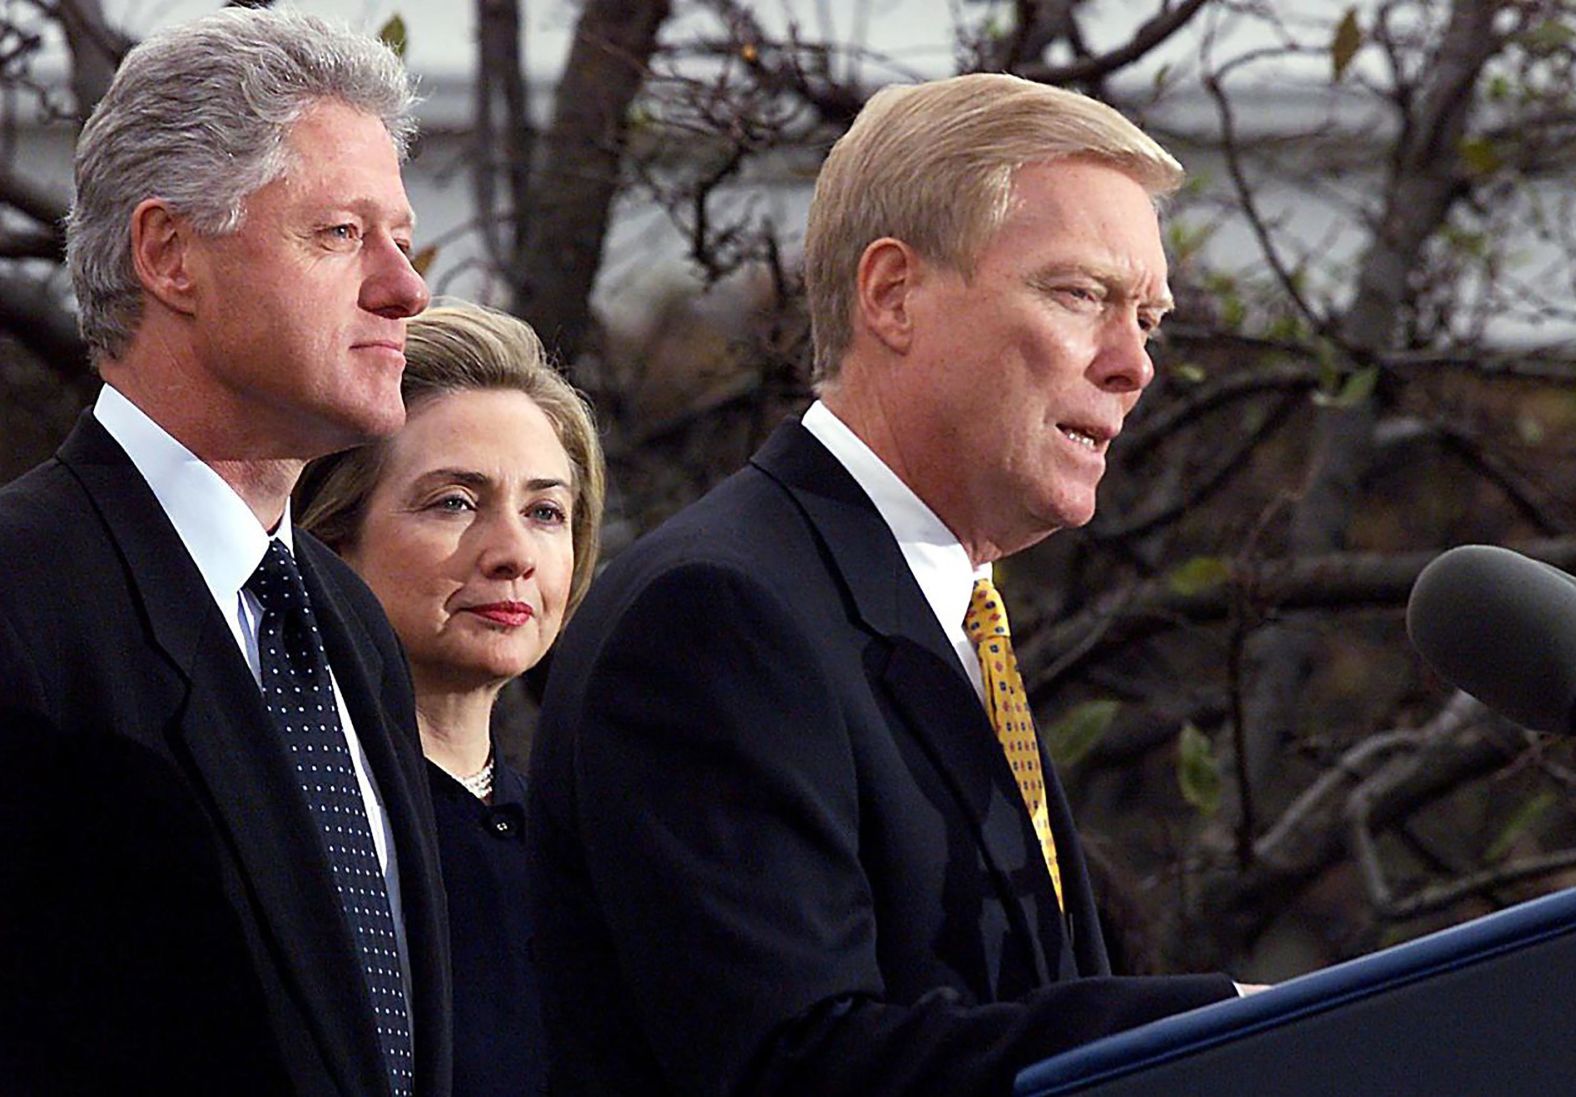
{"x":1007,"y":703}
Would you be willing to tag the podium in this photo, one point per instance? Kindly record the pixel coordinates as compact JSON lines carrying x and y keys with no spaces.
{"x":1484,"y":1009}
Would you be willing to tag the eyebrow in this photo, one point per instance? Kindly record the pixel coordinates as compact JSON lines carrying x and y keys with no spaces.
{"x":1109,"y":277}
{"x":373,"y":210}
{"x":472,"y":479}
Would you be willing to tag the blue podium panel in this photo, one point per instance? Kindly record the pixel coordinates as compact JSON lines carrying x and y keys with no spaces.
{"x":1485,"y":1009}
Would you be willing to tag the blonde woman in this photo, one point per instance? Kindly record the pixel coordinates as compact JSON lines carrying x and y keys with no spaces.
{"x":477,"y":527}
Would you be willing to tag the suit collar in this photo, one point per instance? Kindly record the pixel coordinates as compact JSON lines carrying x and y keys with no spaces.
{"x":217,"y":528}
{"x":156,"y":564}
{"x":868,"y":562}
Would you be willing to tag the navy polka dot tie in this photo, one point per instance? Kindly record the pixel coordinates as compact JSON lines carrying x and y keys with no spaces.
{"x":300,"y":697}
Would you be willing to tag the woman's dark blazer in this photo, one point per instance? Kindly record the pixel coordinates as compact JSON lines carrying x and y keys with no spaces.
{"x":499,"y":1049}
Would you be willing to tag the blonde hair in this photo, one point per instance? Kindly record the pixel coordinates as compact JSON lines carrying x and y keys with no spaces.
{"x":933,"y":164}
{"x":460,"y":347}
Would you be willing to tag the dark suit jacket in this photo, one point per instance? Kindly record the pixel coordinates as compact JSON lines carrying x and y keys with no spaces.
{"x":168,"y":921}
{"x":499,"y":1049}
{"x":776,"y":847}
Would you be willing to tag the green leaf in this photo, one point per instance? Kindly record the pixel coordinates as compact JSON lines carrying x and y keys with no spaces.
{"x":1232,"y":312}
{"x":1474,"y":245}
{"x":639,"y":117}
{"x":1479,"y":155}
{"x":1183,"y":240}
{"x":1198,"y":774}
{"x":1546,"y":38}
{"x":1530,"y":429}
{"x":1076,"y":734}
{"x":1522,"y":820}
{"x":392,"y":35}
{"x":1357,"y":387}
{"x":1344,"y":46}
{"x":1200,"y":574}
{"x":1287,"y":329}
{"x":1191,"y":372}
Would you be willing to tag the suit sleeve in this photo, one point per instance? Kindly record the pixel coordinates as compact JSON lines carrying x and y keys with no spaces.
{"x":719,"y":807}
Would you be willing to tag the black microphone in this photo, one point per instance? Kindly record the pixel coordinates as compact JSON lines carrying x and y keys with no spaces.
{"x":1502,"y":627}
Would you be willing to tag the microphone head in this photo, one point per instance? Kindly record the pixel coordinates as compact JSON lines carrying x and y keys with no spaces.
{"x":1502,"y":627}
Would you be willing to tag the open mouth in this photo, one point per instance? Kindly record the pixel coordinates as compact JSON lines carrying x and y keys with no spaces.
{"x":1083,"y":438}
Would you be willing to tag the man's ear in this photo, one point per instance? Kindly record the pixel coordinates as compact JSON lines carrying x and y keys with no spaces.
{"x":161,"y":254}
{"x":889,"y":274}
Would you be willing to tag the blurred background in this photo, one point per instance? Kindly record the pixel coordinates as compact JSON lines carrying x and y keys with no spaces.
{"x":1373,"y":358}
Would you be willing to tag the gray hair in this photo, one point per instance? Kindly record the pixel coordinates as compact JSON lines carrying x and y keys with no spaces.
{"x":933,"y":165}
{"x":198,"y":115}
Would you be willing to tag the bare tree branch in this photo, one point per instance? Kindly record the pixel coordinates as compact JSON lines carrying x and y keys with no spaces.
{"x":1388,"y":777}
{"x":36,"y":200}
{"x":1431,"y":900}
{"x":1181,"y":412}
{"x":1537,"y":505}
{"x":30,"y":244}
{"x":579,"y":168}
{"x":1151,"y":34}
{"x":31,"y":313}
{"x":1202,"y":484}
{"x":779,"y":68}
{"x":1427,"y":182}
{"x":504,"y":134}
{"x":1333,"y":581}
{"x":96,"y":49}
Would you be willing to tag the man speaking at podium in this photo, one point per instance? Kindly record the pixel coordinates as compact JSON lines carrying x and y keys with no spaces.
{"x":793,"y":832}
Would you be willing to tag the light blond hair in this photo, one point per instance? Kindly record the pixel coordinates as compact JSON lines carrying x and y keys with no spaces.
{"x":933,"y":165}
{"x":460,"y":347}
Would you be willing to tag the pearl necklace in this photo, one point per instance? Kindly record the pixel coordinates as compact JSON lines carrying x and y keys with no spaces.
{"x":480,"y":783}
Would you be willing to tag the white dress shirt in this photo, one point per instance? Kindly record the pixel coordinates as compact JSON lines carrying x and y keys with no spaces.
{"x":940,"y":563}
{"x":227,"y":542}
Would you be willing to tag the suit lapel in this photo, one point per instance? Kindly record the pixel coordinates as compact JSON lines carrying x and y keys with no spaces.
{"x":220,"y":728}
{"x":863,"y":554}
{"x":1082,"y":919}
{"x":920,"y":672}
{"x":157,"y":565}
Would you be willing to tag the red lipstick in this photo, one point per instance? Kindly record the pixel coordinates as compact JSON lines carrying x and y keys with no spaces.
{"x":507,"y":614}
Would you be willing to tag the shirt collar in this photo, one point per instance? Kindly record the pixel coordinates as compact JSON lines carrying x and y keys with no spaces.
{"x":219,"y":530}
{"x":938,"y":559}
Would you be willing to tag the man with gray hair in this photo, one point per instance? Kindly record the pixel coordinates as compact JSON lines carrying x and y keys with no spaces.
{"x":221,"y":872}
{"x":792,"y":829}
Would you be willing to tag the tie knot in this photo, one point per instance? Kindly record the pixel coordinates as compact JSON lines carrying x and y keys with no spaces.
{"x":987,"y":614}
{"x":277,"y":581}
